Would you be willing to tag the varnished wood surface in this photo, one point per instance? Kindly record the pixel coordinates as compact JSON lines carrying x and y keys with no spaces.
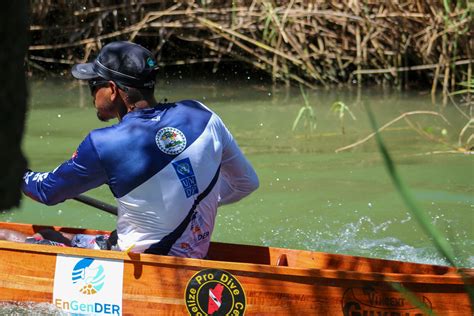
{"x":312,"y":283}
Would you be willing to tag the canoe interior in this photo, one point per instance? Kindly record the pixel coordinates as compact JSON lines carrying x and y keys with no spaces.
{"x":279,"y":256}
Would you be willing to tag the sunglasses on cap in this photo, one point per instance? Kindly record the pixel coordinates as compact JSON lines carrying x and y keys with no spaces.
{"x":96,"y":84}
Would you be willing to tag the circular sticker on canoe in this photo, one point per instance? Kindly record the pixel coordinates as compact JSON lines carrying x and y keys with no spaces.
{"x":214,"y":292}
{"x":170,"y":140}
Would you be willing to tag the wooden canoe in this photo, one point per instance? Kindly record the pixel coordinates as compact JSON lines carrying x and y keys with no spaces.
{"x":238,"y":279}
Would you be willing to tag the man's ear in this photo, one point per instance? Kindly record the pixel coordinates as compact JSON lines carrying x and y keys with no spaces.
{"x":114,"y":91}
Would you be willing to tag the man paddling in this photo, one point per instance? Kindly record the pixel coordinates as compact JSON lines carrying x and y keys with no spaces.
{"x":169,"y":165}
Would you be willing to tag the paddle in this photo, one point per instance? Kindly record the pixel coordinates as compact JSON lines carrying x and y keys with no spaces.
{"x":97,"y":204}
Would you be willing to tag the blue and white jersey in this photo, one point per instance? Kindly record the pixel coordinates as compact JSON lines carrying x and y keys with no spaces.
{"x":159,"y":163}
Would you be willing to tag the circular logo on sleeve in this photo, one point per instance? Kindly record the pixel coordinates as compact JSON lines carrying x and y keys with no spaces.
{"x":170,"y":140}
{"x":214,"y":292}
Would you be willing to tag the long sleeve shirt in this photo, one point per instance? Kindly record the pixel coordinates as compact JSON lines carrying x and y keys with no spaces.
{"x":160,"y":163}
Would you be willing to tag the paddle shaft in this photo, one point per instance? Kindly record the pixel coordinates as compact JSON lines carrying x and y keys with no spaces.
{"x":97,"y":204}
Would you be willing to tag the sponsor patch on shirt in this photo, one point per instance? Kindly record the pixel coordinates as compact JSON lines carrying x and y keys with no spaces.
{"x":185,"y":173}
{"x":197,"y":226}
{"x":170,"y":140}
{"x":37,"y":176}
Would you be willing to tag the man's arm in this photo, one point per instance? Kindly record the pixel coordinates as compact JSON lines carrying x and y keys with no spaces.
{"x":237,"y":177}
{"x":80,"y":173}
{"x":11,"y":235}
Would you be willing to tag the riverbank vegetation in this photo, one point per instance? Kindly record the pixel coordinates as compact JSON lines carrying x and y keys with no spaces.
{"x":312,"y":43}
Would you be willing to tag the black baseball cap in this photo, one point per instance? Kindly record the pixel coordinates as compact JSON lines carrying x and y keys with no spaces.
{"x":126,"y":63}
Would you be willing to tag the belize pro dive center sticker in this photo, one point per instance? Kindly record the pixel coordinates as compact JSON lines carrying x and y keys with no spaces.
{"x":214,"y":292}
{"x":170,"y":140}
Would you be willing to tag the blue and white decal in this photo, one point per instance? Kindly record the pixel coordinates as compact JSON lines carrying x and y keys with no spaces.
{"x":185,"y":173}
{"x":88,"y":286}
{"x":88,"y":276}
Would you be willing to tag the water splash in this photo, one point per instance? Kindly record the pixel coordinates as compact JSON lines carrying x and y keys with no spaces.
{"x":362,"y":238}
{"x":30,"y":309}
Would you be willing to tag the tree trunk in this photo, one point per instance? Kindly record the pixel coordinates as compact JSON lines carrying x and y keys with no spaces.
{"x":13,"y":99}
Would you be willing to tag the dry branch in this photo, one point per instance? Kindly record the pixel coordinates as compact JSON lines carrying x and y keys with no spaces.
{"x":301,"y":41}
{"x":404,"y":115}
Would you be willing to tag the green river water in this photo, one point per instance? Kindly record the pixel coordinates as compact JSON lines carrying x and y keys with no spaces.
{"x":309,"y":197}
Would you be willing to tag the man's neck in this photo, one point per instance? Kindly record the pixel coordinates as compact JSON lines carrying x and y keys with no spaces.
{"x":142,"y":104}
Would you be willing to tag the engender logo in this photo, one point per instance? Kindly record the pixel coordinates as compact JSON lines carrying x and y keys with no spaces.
{"x":214,"y":292}
{"x":78,"y":308}
{"x":88,"y":276}
{"x":88,"y":286}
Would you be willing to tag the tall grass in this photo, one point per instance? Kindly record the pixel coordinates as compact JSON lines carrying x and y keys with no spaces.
{"x":305,"y":114}
{"x":340,"y":108}
{"x":439,"y":240}
{"x":466,"y":92}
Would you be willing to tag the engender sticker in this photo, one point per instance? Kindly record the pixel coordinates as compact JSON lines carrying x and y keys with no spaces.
{"x":88,"y":286}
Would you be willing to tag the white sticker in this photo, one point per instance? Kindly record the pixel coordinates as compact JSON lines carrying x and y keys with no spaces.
{"x":88,"y":286}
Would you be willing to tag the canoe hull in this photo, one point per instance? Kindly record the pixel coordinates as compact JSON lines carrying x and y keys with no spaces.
{"x":312,"y":283}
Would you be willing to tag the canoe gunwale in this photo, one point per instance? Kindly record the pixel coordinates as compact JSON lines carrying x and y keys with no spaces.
{"x":267,"y":271}
{"x":269,"y":267}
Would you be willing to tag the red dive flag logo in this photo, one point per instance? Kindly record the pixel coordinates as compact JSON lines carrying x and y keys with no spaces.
{"x":214,"y":292}
{"x":215,"y":299}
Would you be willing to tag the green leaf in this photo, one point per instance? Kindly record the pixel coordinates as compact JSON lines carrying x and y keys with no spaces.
{"x":439,"y":240}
